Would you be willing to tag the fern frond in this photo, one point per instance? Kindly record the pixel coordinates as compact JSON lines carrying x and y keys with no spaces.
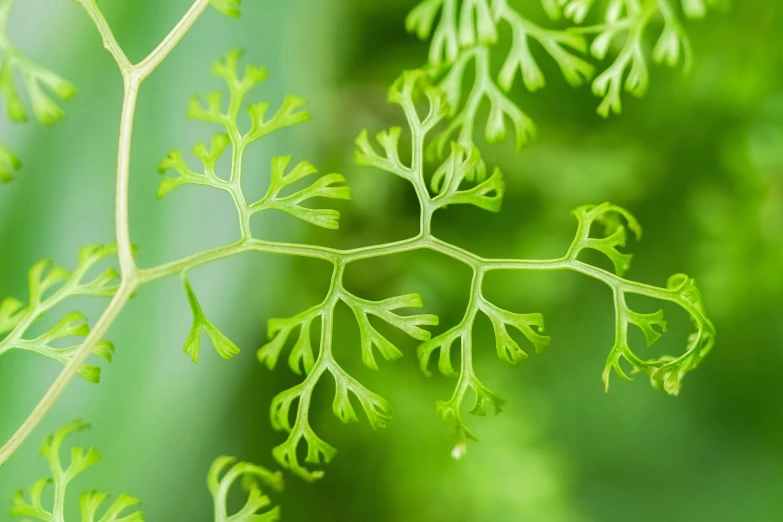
{"x":49,"y":285}
{"x":377,"y":409}
{"x":465,"y":32}
{"x":34,"y":505}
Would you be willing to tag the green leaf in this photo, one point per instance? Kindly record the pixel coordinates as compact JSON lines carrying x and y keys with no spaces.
{"x":212,"y":112}
{"x":288,"y":114}
{"x":451,"y":411}
{"x":49,"y":285}
{"x":459,"y":167}
{"x":615,"y":233}
{"x":14,"y":106}
{"x":671,"y":44}
{"x":222,"y":344}
{"x":208,"y":156}
{"x":228,"y":7}
{"x":301,"y":359}
{"x":377,"y":409}
{"x":530,"y":325}
{"x":665,"y":372}
{"x":421,"y":19}
{"x":462,"y":166}
{"x":226,"y":115}
{"x":443,"y":344}
{"x":384,"y":310}
{"x":224,"y":473}
{"x":669,"y":372}
{"x":558,"y":44}
{"x":322,"y":187}
{"x":695,"y":8}
{"x":317,"y":451}
{"x":9,"y":164}
{"x":367,"y":156}
{"x":577,"y":10}
{"x":445,"y":40}
{"x":92,"y":501}
{"x":227,"y":68}
{"x":38,"y":81}
{"x":12,"y":313}
{"x":484,"y":398}
{"x":406,"y":91}
{"x":647,"y":324}
{"x":609,"y":84}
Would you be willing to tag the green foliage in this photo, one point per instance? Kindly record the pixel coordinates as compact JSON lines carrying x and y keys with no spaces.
{"x":455,"y":176}
{"x":225,"y":471}
{"x":49,"y":285}
{"x":38,"y":81}
{"x":288,"y":114}
{"x":9,"y":164}
{"x":228,"y":7}
{"x":223,"y":345}
{"x":253,"y":479}
{"x":91,"y":503}
{"x":665,"y":372}
{"x":464,"y":33}
{"x":608,"y":217}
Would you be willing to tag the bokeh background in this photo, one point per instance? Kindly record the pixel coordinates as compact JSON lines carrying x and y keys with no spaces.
{"x":699,"y":160}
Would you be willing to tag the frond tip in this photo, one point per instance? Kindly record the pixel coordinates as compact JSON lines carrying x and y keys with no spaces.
{"x":223,"y":345}
{"x":666,"y":372}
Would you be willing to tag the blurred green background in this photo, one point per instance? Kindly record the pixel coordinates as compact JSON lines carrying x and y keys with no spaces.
{"x":699,"y":160}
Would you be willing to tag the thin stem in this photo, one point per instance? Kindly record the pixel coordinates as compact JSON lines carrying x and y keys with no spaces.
{"x":122,"y":226}
{"x":109,"y":41}
{"x":156,"y":57}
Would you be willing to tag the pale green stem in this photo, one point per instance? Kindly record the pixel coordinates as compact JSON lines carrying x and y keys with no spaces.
{"x":109,"y":41}
{"x":133,"y":76}
{"x":467,"y":373}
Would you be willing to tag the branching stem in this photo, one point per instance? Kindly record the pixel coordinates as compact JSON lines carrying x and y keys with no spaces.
{"x":133,"y":76}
